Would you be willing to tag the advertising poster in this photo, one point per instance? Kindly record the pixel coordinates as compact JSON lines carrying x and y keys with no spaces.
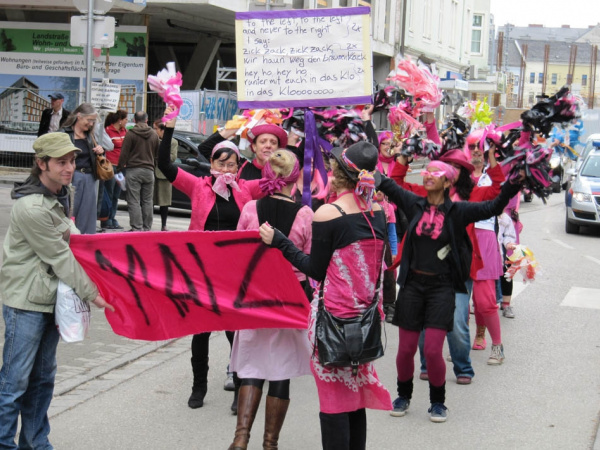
{"x":36,"y":60}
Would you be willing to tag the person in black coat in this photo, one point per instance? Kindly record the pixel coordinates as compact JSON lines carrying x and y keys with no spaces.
{"x":436,"y":260}
{"x":47,"y":125}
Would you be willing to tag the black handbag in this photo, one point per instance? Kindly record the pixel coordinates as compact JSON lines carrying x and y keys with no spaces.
{"x":348,"y":342}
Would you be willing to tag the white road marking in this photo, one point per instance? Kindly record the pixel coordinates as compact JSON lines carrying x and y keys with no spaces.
{"x":591,"y":258}
{"x":579,"y":297}
{"x":562,"y":244}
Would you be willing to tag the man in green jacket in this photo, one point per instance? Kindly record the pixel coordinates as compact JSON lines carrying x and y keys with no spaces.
{"x":36,"y":255}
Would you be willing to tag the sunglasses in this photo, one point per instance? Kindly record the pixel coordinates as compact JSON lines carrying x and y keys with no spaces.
{"x":437,"y":173}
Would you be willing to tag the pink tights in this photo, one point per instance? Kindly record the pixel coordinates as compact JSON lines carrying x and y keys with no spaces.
{"x":405,"y":360}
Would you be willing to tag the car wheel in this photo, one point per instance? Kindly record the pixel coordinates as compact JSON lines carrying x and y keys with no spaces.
{"x":571,"y":228}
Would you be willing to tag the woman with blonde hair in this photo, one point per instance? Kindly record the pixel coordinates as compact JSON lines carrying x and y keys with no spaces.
{"x":346,"y":259}
{"x":275,"y":355}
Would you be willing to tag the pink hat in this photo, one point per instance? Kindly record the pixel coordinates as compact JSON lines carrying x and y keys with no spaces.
{"x":269,"y":128}
{"x":457,"y":156}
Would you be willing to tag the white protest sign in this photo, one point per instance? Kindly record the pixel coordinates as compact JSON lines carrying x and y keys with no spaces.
{"x":299,"y":58}
{"x":106,"y":96}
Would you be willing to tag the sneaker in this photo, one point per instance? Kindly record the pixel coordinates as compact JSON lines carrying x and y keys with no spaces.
{"x":115,"y":225}
{"x":400,"y":406}
{"x":508,"y":312}
{"x":229,"y":385}
{"x":424,"y":376}
{"x":497,"y":356}
{"x":438,"y":413}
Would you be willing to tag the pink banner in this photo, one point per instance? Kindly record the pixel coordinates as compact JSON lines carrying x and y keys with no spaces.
{"x":169,"y":285}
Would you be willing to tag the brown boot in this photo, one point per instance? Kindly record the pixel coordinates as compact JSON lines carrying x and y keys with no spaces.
{"x":248,"y":401}
{"x":479,"y":342}
{"x":274,"y":417}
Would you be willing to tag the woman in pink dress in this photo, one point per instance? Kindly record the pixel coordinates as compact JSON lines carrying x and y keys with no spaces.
{"x":271,"y":354}
{"x":346,"y":258}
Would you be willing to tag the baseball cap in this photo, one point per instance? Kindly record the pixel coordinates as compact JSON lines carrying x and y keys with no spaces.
{"x":57,"y":95}
{"x":54,"y":145}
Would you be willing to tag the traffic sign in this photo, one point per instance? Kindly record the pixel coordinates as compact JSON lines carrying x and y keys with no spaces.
{"x":100,"y":6}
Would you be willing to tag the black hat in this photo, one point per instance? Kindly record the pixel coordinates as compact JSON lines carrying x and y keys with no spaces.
{"x":363,"y":155}
{"x":57,"y":95}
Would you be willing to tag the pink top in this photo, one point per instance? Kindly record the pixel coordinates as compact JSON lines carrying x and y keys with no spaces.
{"x":203,"y":198}
{"x":300,"y":234}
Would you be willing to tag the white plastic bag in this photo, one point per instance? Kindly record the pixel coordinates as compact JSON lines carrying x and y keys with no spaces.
{"x":121,"y":180}
{"x":71,"y":314}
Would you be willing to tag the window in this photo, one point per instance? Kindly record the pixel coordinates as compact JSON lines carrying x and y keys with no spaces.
{"x":554,"y":78}
{"x":540,"y":78}
{"x":427,"y":13}
{"x":452,"y":24}
{"x":476,"y":33}
{"x":532,"y":77}
{"x":584,"y":80}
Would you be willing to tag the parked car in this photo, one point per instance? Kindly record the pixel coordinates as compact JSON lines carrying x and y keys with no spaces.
{"x":583,"y":197}
{"x":188,"y":159}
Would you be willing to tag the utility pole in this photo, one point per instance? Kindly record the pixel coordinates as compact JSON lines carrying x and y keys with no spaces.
{"x":89,"y":69}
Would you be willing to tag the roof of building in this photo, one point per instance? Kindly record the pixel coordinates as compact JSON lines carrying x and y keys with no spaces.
{"x":542,"y":33}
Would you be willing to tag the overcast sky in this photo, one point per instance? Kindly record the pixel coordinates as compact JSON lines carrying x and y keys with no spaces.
{"x":550,"y":13}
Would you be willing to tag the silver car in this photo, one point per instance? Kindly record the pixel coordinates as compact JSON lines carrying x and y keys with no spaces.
{"x":583,"y":197}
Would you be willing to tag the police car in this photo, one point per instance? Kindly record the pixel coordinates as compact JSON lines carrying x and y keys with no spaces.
{"x":583,"y":197}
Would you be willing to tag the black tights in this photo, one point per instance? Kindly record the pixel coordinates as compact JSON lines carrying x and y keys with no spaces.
{"x":164,"y":213}
{"x":344,"y":431}
{"x":279,"y":389}
{"x":200,"y":344}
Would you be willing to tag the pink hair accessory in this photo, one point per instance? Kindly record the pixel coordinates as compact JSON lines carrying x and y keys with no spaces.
{"x":225,"y":144}
{"x":271,"y":182}
{"x":166,"y":84}
{"x":449,"y":171}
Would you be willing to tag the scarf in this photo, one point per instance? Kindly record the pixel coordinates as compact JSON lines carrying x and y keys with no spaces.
{"x":221,"y":182}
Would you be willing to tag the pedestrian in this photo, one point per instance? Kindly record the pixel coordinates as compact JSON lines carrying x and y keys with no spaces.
{"x":138,"y":154}
{"x":80,"y":128}
{"x":276,"y":355}
{"x":36,"y":257}
{"x":115,"y":126}
{"x":463,"y":189}
{"x":484,"y":280}
{"x":436,"y":262}
{"x":54,"y":117}
{"x":212,"y":210}
{"x":346,"y":256}
{"x":162,"y":186}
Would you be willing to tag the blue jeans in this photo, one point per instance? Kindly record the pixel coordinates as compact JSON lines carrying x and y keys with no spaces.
{"x":459,"y":339}
{"x":114,"y":191}
{"x":27,"y":378}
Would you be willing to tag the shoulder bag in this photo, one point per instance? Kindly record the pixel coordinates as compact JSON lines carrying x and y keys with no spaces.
{"x":349,"y":342}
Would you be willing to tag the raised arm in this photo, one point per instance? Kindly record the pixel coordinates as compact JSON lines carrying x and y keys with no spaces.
{"x":164,"y":156}
{"x":399,"y":176}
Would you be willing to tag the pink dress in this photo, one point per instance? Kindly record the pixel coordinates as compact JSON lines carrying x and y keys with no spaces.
{"x":349,"y":288}
{"x":274,"y":354}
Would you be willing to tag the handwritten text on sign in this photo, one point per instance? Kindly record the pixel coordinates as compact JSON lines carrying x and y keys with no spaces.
{"x":168,"y":285}
{"x":303,"y":57}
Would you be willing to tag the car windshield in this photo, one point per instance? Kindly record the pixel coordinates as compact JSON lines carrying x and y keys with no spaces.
{"x":197,"y":138}
{"x":588,"y":148}
{"x":591,"y":168}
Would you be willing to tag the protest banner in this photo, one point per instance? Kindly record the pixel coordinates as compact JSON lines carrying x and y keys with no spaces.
{"x":169,"y":285}
{"x":301,"y":58}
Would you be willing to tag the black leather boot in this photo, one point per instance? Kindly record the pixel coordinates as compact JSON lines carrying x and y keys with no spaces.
{"x":199,"y":388}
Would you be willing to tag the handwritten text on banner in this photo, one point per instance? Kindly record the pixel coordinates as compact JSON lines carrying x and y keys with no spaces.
{"x":168,"y":285}
{"x":304,"y":57}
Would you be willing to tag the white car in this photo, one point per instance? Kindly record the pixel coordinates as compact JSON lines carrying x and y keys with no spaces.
{"x":583,"y":197}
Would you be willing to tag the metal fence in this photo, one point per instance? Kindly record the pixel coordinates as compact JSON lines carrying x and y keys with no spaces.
{"x":22,"y":104}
